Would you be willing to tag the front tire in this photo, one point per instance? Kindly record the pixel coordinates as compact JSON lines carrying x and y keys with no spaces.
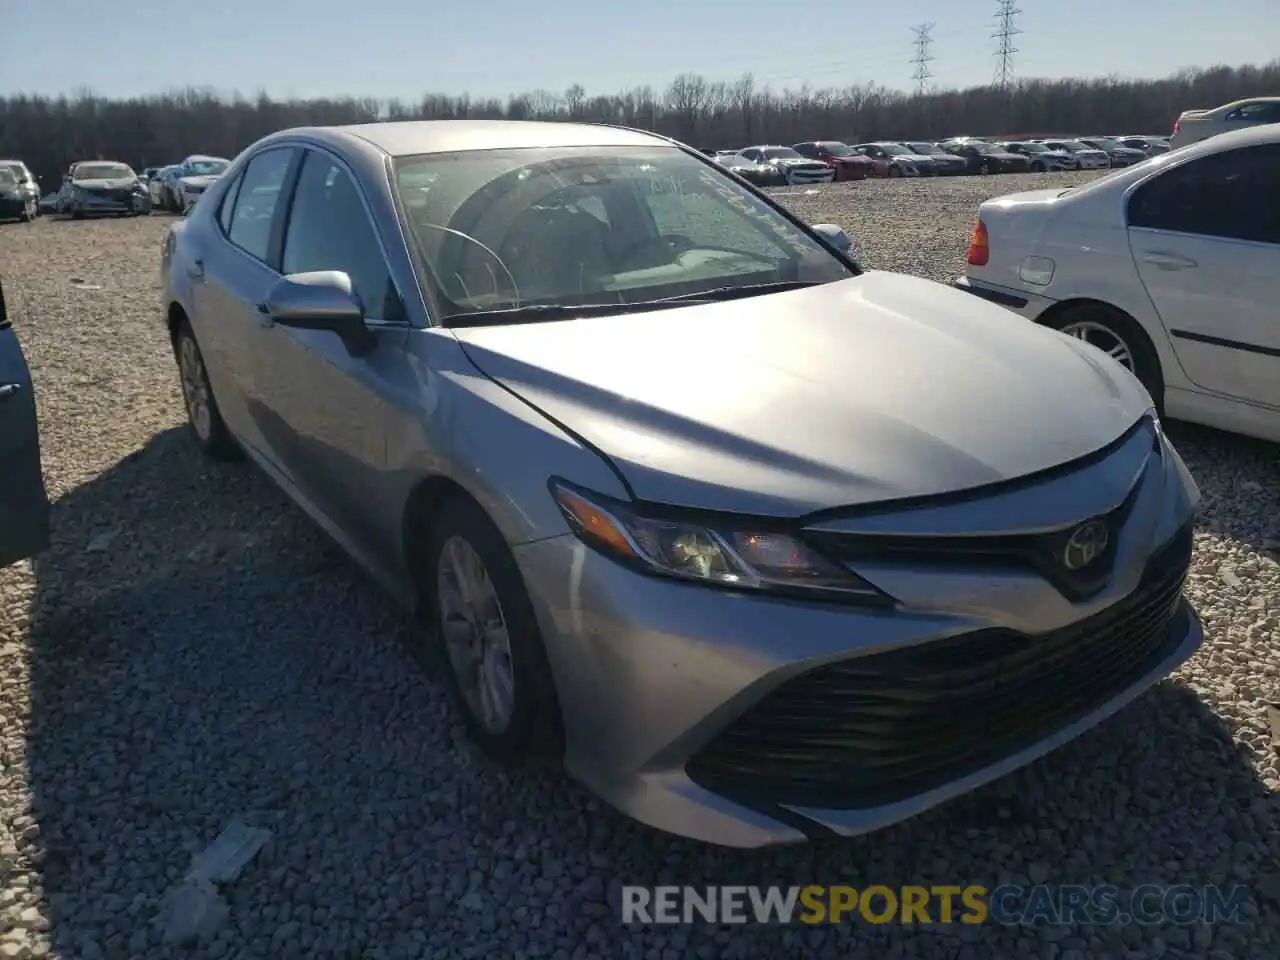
{"x":1120,"y":337}
{"x":205,"y":419}
{"x":488,"y":636}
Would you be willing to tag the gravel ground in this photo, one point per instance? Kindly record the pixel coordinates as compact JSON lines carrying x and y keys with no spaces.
{"x":192,"y":650}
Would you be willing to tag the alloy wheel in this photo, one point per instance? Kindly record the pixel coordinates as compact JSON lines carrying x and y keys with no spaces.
{"x":475,"y":635}
{"x":1102,"y":337}
{"x":195,"y":388}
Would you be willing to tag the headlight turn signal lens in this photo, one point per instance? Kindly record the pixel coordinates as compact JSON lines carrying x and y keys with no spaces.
{"x":710,"y":552}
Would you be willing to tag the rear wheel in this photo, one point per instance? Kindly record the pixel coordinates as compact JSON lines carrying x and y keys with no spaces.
{"x":1038,"y":167}
{"x":1118,"y":336}
{"x":197,"y":395}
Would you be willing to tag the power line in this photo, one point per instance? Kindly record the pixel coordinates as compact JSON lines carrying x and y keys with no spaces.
{"x":923,"y":42}
{"x":1005,"y":32}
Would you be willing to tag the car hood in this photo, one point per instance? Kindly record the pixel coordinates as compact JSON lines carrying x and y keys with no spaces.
{"x":115,"y":183}
{"x":1006,"y":155}
{"x":871,"y":389}
{"x":1091,"y":152}
{"x":793,"y":162}
{"x":202,"y":180}
{"x":908,"y":158}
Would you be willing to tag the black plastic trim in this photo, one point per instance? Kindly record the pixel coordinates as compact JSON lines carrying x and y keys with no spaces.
{"x":1224,"y":342}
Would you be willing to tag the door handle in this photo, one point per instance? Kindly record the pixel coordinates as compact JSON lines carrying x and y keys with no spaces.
{"x":196,"y":270}
{"x":8,"y":390}
{"x":1165,"y":260}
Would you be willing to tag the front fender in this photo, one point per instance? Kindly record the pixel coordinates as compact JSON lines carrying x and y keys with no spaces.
{"x":463,"y":426}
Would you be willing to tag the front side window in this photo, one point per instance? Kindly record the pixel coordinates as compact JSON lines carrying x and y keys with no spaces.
{"x":600,"y":226}
{"x":329,"y":229}
{"x":256,"y":200}
{"x":1235,"y":195}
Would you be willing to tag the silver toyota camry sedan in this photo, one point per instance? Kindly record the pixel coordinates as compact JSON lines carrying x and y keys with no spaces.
{"x":758,"y":544}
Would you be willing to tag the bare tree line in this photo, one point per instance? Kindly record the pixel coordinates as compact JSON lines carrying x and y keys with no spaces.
{"x":49,"y":133}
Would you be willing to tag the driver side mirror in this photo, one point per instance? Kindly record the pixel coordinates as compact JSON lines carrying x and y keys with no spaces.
{"x":834,"y":237}
{"x":322,"y":300}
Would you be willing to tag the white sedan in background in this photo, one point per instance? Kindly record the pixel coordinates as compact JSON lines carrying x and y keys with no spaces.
{"x":1171,"y":266}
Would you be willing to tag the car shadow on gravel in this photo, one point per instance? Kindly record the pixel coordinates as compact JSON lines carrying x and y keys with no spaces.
{"x":201,"y":652}
{"x":1240,"y":469}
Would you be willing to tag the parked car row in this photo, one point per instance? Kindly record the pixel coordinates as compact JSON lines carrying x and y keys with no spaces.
{"x":824,"y":161}
{"x":178,"y":186}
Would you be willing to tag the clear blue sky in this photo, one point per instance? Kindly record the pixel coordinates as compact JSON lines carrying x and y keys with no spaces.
{"x":386,"y":48}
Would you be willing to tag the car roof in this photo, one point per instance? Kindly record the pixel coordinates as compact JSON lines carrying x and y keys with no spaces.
{"x":404,"y":138}
{"x":1256,"y":135}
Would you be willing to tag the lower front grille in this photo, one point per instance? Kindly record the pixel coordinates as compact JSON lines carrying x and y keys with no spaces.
{"x":881,"y":728}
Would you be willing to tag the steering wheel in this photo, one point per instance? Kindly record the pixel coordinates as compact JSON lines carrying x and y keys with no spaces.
{"x":658,"y":250}
{"x":515,"y":287}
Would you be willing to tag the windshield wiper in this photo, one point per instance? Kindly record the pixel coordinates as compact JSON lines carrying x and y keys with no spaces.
{"x":716,"y":294}
{"x":540,"y":312}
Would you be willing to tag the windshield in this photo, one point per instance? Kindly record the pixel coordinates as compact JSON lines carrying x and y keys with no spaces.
{"x":206,"y":168}
{"x":19,"y":172}
{"x":104,"y":171}
{"x":578,"y":226}
{"x":781,"y":153}
{"x":897,"y":148}
{"x":928,"y":149}
{"x":1077,"y":145}
{"x":980,"y":146}
{"x":841,"y":150}
{"x":1030,"y":147}
{"x":7,"y":179}
{"x":1106,"y":143}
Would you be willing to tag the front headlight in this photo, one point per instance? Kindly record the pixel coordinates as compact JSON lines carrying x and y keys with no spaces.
{"x":727,"y":553}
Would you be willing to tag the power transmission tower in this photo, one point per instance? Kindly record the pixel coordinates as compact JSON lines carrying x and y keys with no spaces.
{"x":1005,"y":32}
{"x":923,"y":42}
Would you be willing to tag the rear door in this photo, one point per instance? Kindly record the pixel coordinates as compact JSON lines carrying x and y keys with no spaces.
{"x":1205,"y":237}
{"x":24,"y":505}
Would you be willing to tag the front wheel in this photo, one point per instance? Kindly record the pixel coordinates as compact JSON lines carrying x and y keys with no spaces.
{"x":1119,"y":337}
{"x":485,"y":625}
{"x":1038,"y":167}
{"x":895,"y":172}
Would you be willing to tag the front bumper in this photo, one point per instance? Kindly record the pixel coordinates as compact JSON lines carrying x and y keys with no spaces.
{"x":12,"y":206}
{"x":99,"y":203}
{"x":1094,"y":163}
{"x":664,"y":686}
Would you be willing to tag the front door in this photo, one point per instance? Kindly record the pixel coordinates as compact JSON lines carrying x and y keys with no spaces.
{"x":325,"y":411}
{"x":1205,"y":237}
{"x":24,"y":505}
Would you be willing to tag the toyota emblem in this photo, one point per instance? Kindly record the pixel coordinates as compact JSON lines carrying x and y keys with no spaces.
{"x":1086,"y":544}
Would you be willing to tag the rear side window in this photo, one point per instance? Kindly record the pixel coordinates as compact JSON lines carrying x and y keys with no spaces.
{"x":256,"y":200}
{"x":1234,"y":195}
{"x":228,"y":205}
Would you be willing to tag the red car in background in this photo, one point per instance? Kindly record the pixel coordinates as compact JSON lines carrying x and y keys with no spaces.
{"x":847,"y":163}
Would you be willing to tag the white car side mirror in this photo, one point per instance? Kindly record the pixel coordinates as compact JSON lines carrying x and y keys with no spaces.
{"x":834,"y":237}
